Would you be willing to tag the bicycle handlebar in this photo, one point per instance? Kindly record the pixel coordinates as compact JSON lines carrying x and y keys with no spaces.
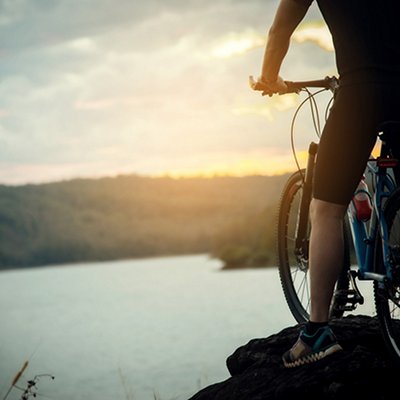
{"x":329,"y":83}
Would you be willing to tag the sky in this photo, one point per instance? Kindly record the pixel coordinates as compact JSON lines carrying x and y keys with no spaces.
{"x":92,"y":88}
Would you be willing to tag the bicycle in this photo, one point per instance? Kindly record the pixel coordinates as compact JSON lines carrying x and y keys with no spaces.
{"x":376,"y":242}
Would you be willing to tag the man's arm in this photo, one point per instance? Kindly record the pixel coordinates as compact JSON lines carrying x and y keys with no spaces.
{"x":288,"y":16}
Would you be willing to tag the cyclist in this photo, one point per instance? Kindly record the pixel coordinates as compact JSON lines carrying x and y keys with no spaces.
{"x":366,"y":36}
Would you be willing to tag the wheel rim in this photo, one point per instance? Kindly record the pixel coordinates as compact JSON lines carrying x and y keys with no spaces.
{"x":387,"y":296}
{"x":293,"y":267}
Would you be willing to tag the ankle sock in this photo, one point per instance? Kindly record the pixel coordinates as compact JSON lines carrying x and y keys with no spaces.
{"x":312,"y":327}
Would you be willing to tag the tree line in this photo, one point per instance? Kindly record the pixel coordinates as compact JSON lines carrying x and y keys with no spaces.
{"x":132,"y":216}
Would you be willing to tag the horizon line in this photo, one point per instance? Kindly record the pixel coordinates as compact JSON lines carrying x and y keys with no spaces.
{"x":166,"y":175}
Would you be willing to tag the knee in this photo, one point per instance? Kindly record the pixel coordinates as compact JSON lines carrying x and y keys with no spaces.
{"x":322,"y":210}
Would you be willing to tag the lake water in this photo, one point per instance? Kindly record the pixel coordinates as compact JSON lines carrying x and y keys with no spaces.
{"x":157,"y":328}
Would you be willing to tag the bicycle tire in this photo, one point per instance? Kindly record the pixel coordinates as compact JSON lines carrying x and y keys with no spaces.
{"x":293,"y":270}
{"x":387,"y":294}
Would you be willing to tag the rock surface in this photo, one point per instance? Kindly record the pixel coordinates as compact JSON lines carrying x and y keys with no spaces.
{"x":361,"y":371}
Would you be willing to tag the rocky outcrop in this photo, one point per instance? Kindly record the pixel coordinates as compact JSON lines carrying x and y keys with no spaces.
{"x":361,"y":371}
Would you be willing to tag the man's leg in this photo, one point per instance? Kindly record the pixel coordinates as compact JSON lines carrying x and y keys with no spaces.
{"x":346,"y":143}
{"x":326,"y":255}
{"x":317,"y":340}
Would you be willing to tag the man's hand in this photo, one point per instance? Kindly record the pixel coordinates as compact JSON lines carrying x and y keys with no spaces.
{"x":270,"y":88}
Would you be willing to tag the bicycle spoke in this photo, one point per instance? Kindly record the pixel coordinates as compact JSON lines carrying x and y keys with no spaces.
{"x":294,"y":274}
{"x":394,"y":311}
{"x":303,"y":287}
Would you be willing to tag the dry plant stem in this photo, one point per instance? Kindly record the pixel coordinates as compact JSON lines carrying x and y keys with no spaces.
{"x":16,"y":378}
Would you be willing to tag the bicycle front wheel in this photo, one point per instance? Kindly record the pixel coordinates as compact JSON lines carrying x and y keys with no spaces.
{"x":387,"y":294}
{"x":293,"y":261}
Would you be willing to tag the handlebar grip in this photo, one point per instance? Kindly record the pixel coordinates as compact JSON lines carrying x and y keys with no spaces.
{"x":295,"y":87}
{"x":259,"y":86}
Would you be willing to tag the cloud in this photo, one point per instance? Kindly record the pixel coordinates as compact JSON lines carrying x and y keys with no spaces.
{"x":237,"y":43}
{"x":315,"y":32}
{"x":102,"y":87}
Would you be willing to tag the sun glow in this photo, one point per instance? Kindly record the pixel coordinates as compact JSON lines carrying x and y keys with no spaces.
{"x":237,"y":43}
{"x":269,"y":163}
{"x":268,"y":109}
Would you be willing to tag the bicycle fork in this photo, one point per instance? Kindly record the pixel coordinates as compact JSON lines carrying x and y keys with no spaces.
{"x":304,"y":209}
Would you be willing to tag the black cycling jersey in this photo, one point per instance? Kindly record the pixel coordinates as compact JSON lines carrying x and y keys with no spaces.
{"x":366,"y":37}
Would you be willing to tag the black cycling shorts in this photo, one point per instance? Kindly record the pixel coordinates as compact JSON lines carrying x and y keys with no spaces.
{"x":349,"y":137}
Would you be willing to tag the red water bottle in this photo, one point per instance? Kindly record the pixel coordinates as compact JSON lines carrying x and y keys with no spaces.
{"x":362,"y":201}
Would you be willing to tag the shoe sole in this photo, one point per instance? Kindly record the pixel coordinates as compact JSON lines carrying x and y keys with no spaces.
{"x":313,"y":357}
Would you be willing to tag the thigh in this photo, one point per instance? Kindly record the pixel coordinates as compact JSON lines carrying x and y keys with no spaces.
{"x":346,"y":143}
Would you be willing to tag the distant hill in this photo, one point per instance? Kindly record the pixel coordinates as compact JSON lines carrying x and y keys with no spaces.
{"x":133,"y":216}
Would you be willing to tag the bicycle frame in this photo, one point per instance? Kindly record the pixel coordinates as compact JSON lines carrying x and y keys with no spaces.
{"x":301,"y":234}
{"x":376,"y":242}
{"x":363,"y":235}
